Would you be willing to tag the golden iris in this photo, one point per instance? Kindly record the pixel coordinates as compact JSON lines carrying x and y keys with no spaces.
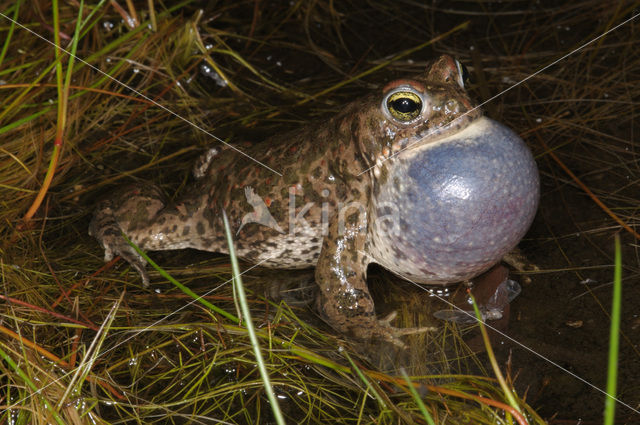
{"x":404,"y":105}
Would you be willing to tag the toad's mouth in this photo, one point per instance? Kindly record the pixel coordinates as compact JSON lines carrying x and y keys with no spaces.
{"x":464,"y":127}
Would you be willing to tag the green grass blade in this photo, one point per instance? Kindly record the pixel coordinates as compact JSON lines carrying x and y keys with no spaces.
{"x":30,"y":384}
{"x":244,"y":305}
{"x":180,"y":286}
{"x":364,"y":379}
{"x":23,"y":120}
{"x":417,"y":398}
{"x":614,"y":337}
{"x":57,"y":49}
{"x":74,"y":49}
{"x":7,"y":40}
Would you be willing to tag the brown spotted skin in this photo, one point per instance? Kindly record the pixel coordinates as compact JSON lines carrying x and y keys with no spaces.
{"x":324,"y":167}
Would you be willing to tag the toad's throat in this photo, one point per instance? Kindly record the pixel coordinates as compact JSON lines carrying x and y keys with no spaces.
{"x":467,"y":199}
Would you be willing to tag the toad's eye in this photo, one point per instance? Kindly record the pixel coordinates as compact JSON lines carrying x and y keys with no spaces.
{"x":403,"y":104}
{"x":463,"y":74}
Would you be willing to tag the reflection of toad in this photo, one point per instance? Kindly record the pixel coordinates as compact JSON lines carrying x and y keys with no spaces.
{"x":491,"y":295}
{"x":488,"y":289}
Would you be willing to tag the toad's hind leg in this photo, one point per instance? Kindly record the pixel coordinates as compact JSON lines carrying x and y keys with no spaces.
{"x":141,"y":214}
{"x":126,"y":212}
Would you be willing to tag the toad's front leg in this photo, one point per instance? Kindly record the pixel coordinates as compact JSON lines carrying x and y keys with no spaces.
{"x":341,"y":272}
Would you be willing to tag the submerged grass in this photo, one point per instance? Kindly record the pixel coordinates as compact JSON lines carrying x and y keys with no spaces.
{"x":70,"y":134}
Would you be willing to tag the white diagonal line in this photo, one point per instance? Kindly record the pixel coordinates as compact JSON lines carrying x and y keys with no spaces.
{"x":548,"y":360}
{"x":237,"y":150}
{"x":142,"y":95}
{"x":577,"y":49}
{"x":138,"y":332}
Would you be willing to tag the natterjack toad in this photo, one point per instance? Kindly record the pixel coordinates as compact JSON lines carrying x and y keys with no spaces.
{"x":411,"y":177}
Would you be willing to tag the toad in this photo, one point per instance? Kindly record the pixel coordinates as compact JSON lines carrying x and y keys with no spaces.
{"x":412,"y":177}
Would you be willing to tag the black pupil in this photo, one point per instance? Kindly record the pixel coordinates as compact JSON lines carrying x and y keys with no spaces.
{"x":404,"y":105}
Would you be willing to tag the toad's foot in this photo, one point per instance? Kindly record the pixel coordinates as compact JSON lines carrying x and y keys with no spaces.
{"x":516,"y":259}
{"x":295,"y":287}
{"x":106,"y":230}
{"x":381,"y":329}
